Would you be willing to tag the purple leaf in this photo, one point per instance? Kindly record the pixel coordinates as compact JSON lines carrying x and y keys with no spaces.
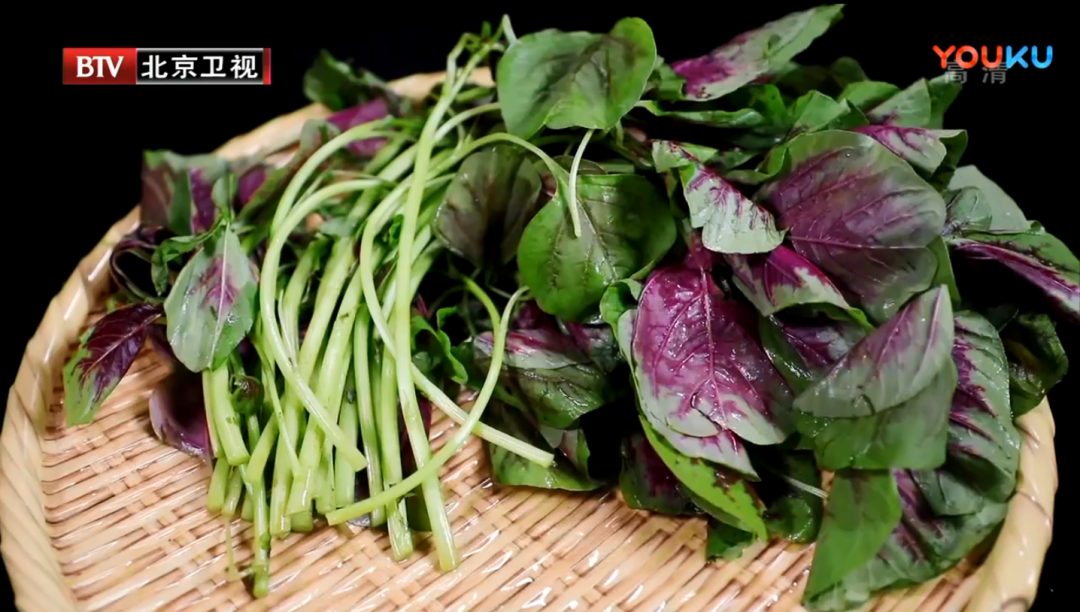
{"x":890,"y":366}
{"x":861,"y":215}
{"x":754,"y":54}
{"x":104,"y":355}
{"x":647,"y":483}
{"x":729,"y":221}
{"x":129,"y":263}
{"x":704,"y":383}
{"x":1035,"y":256}
{"x":212,"y":305}
{"x":178,"y":415}
{"x":782,"y":279}
{"x":202,"y":202}
{"x":597,"y":340}
{"x":249,"y":184}
{"x":822,"y":343}
{"x":168,"y":193}
{"x":922,"y":148}
{"x":357,"y":115}
{"x":984,"y":445}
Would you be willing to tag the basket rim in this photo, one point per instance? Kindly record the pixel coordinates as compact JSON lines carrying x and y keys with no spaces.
{"x":1007,"y":579}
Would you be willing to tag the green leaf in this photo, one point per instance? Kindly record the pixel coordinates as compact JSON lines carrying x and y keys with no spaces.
{"x":792,"y":512}
{"x":944,"y":274}
{"x":725,"y":541}
{"x":1005,"y":214}
{"x":865,"y":95}
{"x":338,"y":86}
{"x":729,"y":221}
{"x":888,"y":367}
{"x":558,"y":382}
{"x":912,"y":435}
{"x":716,"y":118}
{"x":513,"y":470}
{"x":718,"y":486}
{"x":920,"y":547}
{"x":620,"y":297}
{"x":212,"y":306}
{"x":816,"y":111}
{"x":172,"y":249}
{"x":863,"y":510}
{"x":626,"y":227}
{"x":907,"y":108}
{"x":984,"y":445}
{"x":1037,"y":360}
{"x":443,"y":347}
{"x":492,"y":197}
{"x":943,"y":92}
{"x":574,"y":79}
{"x":647,"y":483}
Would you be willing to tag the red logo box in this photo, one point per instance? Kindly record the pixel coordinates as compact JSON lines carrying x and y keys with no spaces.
{"x":90,"y":66}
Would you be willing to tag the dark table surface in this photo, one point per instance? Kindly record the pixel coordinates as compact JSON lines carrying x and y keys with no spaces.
{"x":1021,"y":131}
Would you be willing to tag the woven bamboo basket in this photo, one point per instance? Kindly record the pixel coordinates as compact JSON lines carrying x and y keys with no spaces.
{"x":105,"y":517}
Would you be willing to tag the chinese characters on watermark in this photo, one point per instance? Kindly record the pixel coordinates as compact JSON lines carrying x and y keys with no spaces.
{"x":956,"y":74}
{"x":191,"y":65}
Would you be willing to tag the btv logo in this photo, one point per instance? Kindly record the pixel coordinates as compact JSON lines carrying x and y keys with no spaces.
{"x":99,"y":66}
{"x":90,"y":65}
{"x":966,"y":57}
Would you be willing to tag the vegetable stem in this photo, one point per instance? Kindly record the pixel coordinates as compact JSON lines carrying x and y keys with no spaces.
{"x":575,"y":218}
{"x":455,"y":443}
{"x":226,"y":423}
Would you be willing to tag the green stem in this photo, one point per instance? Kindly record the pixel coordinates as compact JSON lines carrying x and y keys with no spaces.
{"x":507,"y":30}
{"x":454,"y":444}
{"x":366,"y":413}
{"x":400,"y":537}
{"x":574,"y":217}
{"x":268,"y":281}
{"x":360,"y":132}
{"x":349,"y":420}
{"x":330,"y":385}
{"x":226,"y":422}
{"x":219,"y":485}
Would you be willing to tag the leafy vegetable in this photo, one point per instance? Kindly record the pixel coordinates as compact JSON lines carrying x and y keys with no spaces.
{"x":753,"y":54}
{"x":701,"y":375}
{"x":1037,"y":360}
{"x":178,"y":415}
{"x":626,"y":228}
{"x":730,"y":222}
{"x":512,"y":470}
{"x":889,"y":366}
{"x":984,"y":446}
{"x":782,"y":279}
{"x":880,"y":256}
{"x":714,"y":485}
{"x":212,"y":305}
{"x":105,"y":353}
{"x":647,"y":483}
{"x":558,"y":382}
{"x":1035,"y":256}
{"x":492,"y":198}
{"x":574,"y":79}
{"x":316,"y":310}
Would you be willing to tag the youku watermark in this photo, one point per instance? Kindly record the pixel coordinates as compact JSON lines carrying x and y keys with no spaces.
{"x":957,"y":65}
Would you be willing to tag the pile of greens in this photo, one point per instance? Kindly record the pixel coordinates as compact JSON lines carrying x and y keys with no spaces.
{"x":704,"y":282}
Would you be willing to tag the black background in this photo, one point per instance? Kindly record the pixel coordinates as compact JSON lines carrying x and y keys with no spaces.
{"x":1021,"y":134}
